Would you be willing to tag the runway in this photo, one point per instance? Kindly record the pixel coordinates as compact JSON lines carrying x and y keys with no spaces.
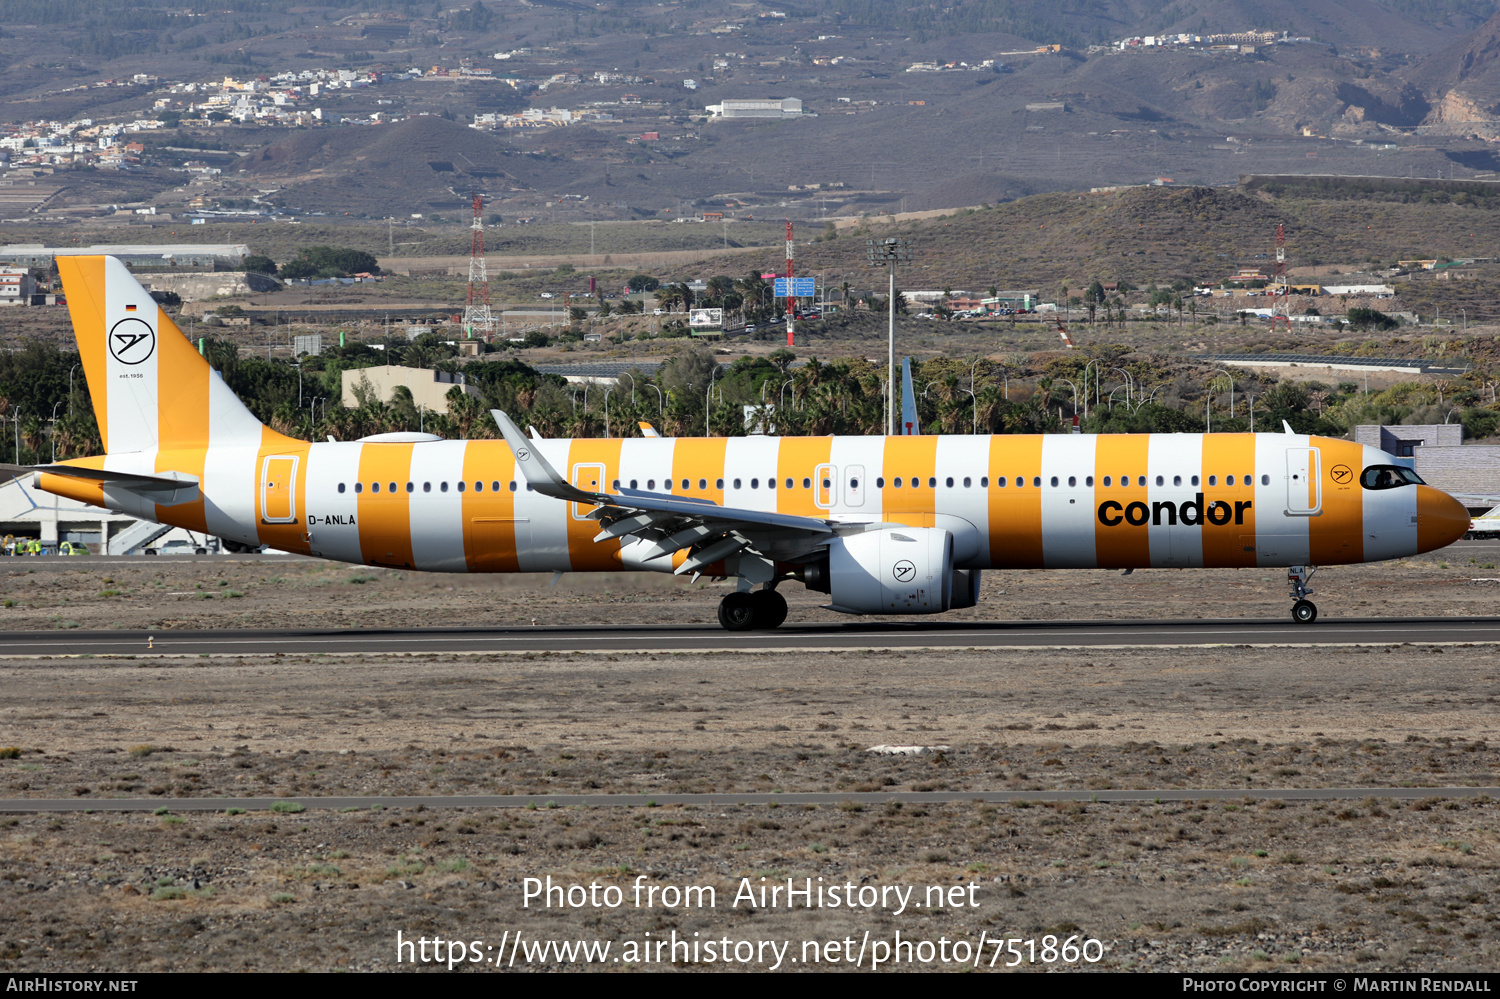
{"x":791,"y":638}
{"x":354,"y":803}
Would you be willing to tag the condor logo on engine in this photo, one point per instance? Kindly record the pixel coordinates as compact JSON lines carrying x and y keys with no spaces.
{"x":1190,"y":513}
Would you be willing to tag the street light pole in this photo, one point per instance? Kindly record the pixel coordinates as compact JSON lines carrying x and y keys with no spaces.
{"x":890,"y":252}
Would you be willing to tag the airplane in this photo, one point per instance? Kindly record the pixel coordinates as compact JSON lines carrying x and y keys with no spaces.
{"x":883,"y":525}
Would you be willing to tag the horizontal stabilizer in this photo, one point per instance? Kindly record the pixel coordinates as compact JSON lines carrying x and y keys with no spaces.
{"x":169,"y":489}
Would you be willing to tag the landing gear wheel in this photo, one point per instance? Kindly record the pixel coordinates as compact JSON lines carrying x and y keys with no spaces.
{"x":737,"y":612}
{"x":1304,"y":612}
{"x":769,"y":608}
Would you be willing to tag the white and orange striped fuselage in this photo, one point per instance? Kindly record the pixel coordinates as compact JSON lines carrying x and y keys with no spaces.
{"x":182,"y":450}
{"x":1010,"y":502}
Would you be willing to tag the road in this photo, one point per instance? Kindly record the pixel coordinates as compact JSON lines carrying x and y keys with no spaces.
{"x":699,"y":638}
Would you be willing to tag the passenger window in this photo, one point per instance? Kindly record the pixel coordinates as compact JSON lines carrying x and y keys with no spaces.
{"x":754,"y":483}
{"x":807,"y":483}
{"x":461,"y":485}
{"x":426,"y":487}
{"x":702,"y":485}
{"x":1176,"y":480}
{"x":1159,"y":481}
{"x":1072,"y":481}
{"x":880,"y":482}
{"x":1265,"y":480}
{"x":948,"y":482}
{"x":896,"y":482}
{"x":1036,"y":480}
{"x":1106,"y":480}
{"x":790,"y":483}
{"x":736,"y":483}
{"x":374,"y":487}
{"x":512,"y":485}
{"x":967,"y":482}
{"x":1213,"y":480}
{"x":853,"y":483}
{"x":1143,"y":481}
{"x":633,"y":483}
{"x":650,"y":483}
{"x":984,"y":481}
{"x":685,"y":485}
{"x":932,"y":482}
{"x":615,"y":485}
{"x":479,"y":486}
{"x":341,"y":487}
{"x":1054,"y":482}
{"x":359,"y":487}
{"x":1089,"y":481}
{"x":770,"y":483}
{"x":443,"y":487}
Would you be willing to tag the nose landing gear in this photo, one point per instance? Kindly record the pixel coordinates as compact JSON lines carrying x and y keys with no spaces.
{"x":762,"y":609}
{"x":1304,"y":611}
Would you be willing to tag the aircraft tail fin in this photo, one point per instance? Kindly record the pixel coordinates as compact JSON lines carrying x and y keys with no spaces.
{"x":908,"y":402}
{"x":151,"y":387}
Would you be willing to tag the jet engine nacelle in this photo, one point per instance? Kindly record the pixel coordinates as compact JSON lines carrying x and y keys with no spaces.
{"x":903,"y":570}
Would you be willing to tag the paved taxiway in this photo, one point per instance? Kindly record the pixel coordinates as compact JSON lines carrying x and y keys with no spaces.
{"x":697,"y":638}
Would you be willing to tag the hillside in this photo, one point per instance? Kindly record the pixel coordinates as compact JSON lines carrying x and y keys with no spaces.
{"x":1144,"y":235}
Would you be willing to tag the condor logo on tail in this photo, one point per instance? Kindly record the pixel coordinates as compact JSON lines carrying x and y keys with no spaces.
{"x":1189,"y":512}
{"x":132,"y":340}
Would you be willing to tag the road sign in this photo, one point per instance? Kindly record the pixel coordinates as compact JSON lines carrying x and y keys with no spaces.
{"x":801,"y":287}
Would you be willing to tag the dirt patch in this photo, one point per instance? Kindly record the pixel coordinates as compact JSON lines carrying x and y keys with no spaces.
{"x":1370,"y":884}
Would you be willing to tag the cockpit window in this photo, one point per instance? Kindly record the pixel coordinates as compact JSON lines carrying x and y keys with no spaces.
{"x":1389,"y":477}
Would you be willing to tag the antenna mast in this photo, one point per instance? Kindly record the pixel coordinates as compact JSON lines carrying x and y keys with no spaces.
{"x":477,"y":315}
{"x":1281,"y":317}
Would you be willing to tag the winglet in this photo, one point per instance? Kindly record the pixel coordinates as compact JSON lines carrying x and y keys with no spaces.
{"x":539,"y":474}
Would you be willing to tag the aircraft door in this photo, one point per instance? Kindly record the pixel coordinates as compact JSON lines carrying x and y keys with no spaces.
{"x":854,"y":486}
{"x":1303,"y":482}
{"x":590,"y":478}
{"x":278,"y":489}
{"x":825,"y":486}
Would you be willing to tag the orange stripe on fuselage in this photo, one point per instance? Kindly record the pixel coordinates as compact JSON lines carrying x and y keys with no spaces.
{"x":1015,"y":513}
{"x":699,"y":460}
{"x":583,"y":554}
{"x":385,"y":517}
{"x":84,"y":279}
{"x":1121,"y":459}
{"x":912,"y":459}
{"x":190,"y":515}
{"x":1225,"y":455}
{"x":182,"y":418}
{"x":797,"y":459}
{"x":1336,"y":536}
{"x":489,"y":514}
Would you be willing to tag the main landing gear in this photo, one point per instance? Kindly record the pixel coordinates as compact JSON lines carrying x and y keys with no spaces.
{"x":762,"y":609}
{"x":1304,"y":611}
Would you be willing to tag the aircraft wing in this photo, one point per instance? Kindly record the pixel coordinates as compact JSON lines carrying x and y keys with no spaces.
{"x":668,"y":524}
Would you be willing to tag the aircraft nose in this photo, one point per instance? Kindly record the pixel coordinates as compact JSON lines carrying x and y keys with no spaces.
{"x":1441,"y":519}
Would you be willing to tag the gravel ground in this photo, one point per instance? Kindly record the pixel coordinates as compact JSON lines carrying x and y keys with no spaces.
{"x":1364,"y":885}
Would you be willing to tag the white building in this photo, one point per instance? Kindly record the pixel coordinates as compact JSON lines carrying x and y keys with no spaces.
{"x":785,"y":107}
{"x":16,"y":286}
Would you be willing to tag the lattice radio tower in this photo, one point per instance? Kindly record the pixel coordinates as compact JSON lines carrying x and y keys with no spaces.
{"x":1280,"y":308}
{"x":478,"y":319}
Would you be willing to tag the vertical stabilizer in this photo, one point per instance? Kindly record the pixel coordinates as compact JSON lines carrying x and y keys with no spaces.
{"x":150,"y":386}
{"x":908,"y":402}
